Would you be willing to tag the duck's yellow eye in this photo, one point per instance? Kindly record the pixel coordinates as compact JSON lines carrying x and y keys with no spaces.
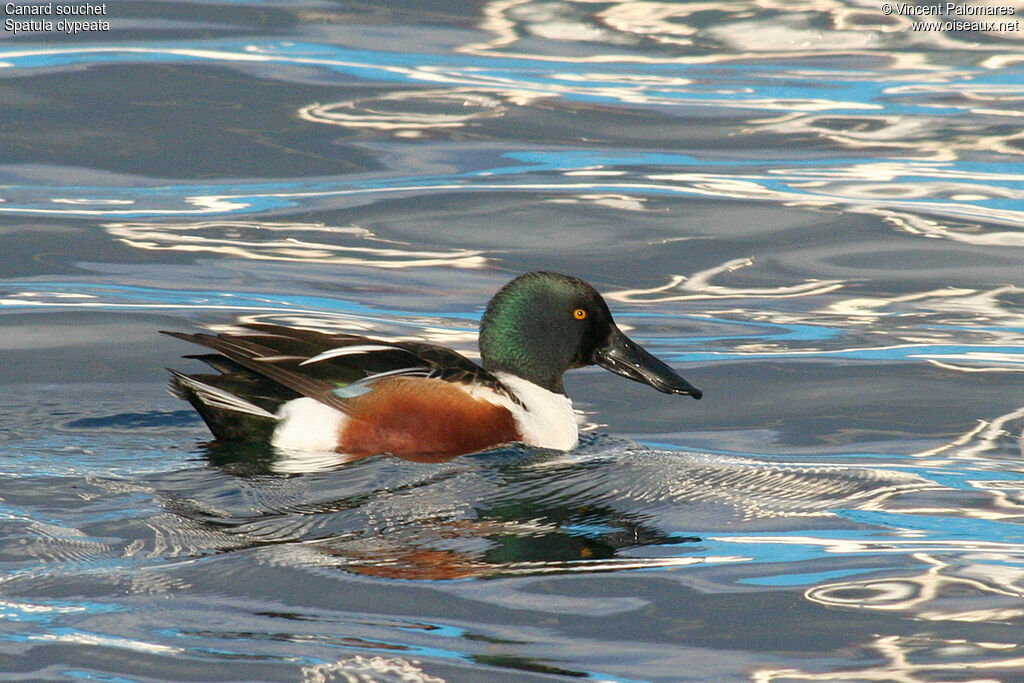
{"x":579,"y":314}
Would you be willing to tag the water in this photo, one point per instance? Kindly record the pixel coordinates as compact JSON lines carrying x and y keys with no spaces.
{"x":812,"y":210}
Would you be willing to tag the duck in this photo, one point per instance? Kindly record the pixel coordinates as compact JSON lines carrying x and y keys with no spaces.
{"x":306,"y":390}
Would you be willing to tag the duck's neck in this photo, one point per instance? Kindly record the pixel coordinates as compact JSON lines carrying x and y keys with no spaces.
{"x":516,"y":352}
{"x":537,"y":376}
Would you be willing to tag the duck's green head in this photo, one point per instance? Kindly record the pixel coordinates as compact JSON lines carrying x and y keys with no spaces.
{"x":542,"y":324}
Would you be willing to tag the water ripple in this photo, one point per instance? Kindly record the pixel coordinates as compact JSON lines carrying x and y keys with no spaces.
{"x":288,"y":241}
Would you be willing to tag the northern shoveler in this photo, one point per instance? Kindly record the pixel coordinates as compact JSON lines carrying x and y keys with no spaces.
{"x":310,"y":391}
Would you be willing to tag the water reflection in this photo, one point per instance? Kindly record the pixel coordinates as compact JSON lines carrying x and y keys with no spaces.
{"x":288,"y":241}
{"x":926,"y":123}
{"x":931,"y":595}
{"x":409,"y":114}
{"x":966,"y":571}
{"x":360,"y":668}
{"x":614,"y":506}
{"x":963,"y":231}
{"x":620,"y":26}
{"x":927,"y":138}
{"x":920,"y":199}
{"x":522,"y":512}
{"x":699,"y":286}
{"x":996,"y":440}
{"x":917,"y":659}
{"x":655,"y":31}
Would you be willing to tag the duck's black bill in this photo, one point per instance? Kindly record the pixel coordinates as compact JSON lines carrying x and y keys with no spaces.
{"x":625,"y":357}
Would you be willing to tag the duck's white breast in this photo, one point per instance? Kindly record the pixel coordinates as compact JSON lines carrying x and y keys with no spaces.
{"x":545,"y":420}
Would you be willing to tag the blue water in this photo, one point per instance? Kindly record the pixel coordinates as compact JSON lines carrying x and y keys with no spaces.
{"x":814,"y":211}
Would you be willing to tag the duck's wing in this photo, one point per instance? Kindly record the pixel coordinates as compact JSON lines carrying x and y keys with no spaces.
{"x":345,"y":359}
{"x":267,"y":365}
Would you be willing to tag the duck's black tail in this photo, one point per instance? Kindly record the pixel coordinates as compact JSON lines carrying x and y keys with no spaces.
{"x":226,"y":405}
